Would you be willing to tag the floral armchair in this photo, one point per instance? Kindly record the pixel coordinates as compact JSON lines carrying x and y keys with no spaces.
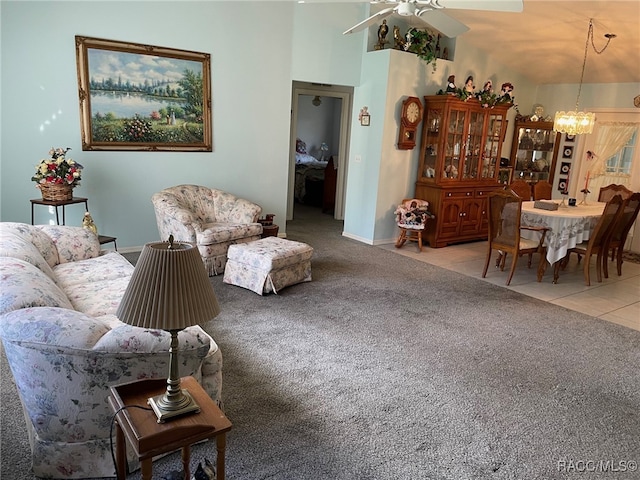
{"x":210,"y":218}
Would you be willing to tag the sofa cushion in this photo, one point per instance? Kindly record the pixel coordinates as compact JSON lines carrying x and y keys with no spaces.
{"x":98,"y":298}
{"x":24,"y":285}
{"x":108,"y":266}
{"x":226,"y":232}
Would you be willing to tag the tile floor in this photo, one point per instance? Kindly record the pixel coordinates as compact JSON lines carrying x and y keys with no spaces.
{"x":616,"y":299}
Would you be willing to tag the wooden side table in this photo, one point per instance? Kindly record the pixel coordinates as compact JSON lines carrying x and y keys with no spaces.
{"x":150,"y":438}
{"x":56,"y":204}
{"x":107,"y":239}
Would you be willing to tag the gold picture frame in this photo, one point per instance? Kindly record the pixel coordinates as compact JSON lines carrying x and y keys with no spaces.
{"x":138,"y":97}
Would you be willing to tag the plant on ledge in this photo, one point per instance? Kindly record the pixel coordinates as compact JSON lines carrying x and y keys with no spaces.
{"x":423,"y":44}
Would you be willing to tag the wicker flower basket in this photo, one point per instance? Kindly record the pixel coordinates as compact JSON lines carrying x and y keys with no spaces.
{"x":56,"y":192}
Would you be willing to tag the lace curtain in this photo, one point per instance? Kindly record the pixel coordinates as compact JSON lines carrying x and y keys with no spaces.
{"x":612,"y":136}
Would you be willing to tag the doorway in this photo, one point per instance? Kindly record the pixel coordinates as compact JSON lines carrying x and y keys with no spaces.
{"x":341,"y":98}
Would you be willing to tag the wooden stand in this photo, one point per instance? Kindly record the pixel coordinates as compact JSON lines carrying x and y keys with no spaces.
{"x":150,"y":438}
{"x":63,"y":203}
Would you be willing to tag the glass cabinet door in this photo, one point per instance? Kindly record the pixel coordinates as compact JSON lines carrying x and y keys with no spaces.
{"x":454,"y":144}
{"x":535,"y":152}
{"x":490,"y":160}
{"x":431,"y":134}
{"x":473,"y":146}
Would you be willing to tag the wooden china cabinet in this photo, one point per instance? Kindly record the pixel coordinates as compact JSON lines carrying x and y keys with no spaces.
{"x":534,"y":151}
{"x":459,"y":162}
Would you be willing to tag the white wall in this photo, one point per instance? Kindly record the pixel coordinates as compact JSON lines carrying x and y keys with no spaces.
{"x":253,"y":57}
{"x":258,"y":49}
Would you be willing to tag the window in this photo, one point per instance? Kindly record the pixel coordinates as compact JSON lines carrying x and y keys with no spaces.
{"x":620,"y":162}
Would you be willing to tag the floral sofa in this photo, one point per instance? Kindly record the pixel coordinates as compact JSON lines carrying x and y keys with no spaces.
{"x":210,"y":218}
{"x":58,"y":297}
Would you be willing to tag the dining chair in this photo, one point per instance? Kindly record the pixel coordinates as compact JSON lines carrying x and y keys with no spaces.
{"x":504,"y":212}
{"x":522,"y":189}
{"x":609,"y":191}
{"x":542,"y":190}
{"x":596,"y":243}
{"x":619,"y":232}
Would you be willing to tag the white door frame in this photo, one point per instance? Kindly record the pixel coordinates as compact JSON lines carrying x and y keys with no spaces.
{"x":333,"y":91}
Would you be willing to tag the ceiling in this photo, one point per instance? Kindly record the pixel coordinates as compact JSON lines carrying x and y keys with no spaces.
{"x":546,"y":41}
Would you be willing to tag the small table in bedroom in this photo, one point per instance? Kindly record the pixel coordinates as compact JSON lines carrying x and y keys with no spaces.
{"x":150,"y":438}
{"x":568,"y":226}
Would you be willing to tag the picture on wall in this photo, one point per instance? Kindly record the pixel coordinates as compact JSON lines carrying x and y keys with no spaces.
{"x":563,"y":184}
{"x":565,"y":167}
{"x":567,"y":152}
{"x":141,"y":97}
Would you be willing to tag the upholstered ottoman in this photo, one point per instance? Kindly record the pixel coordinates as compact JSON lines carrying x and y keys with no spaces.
{"x":268,"y":265}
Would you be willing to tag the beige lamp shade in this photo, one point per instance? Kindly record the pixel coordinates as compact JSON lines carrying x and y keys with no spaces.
{"x":169,"y":289}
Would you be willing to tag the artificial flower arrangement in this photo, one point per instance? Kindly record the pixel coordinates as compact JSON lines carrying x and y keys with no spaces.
{"x":58,"y":169}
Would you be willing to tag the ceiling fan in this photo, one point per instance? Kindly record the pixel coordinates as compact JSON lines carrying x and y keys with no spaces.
{"x":430,"y":12}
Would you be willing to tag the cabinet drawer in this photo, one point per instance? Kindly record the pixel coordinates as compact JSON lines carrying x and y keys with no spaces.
{"x":482,"y":193}
{"x":458,"y":193}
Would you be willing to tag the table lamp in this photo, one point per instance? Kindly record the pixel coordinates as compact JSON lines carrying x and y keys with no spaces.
{"x":169,"y":290}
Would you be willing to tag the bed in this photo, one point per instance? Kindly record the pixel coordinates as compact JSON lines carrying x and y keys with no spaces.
{"x":310,"y":173}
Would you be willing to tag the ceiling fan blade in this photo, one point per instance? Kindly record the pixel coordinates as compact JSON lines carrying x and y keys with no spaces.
{"x":490,"y":5}
{"x":448,"y":26}
{"x":371,"y":20}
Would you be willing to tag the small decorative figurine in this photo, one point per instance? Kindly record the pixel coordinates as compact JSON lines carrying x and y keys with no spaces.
{"x":451,"y":85}
{"x":399,"y":42}
{"x":469,"y":87}
{"x":383,"y":29}
{"x":506,"y":90}
{"x":488,"y":87}
{"x":87,"y":222}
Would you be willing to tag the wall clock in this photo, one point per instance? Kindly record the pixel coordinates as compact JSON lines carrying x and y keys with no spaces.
{"x":636,"y":101}
{"x":410,"y":117}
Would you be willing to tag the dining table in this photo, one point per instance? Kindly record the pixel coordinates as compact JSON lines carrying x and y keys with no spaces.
{"x":567,"y":227}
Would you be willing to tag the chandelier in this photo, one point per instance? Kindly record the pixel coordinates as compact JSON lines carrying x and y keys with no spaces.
{"x":577,"y":122}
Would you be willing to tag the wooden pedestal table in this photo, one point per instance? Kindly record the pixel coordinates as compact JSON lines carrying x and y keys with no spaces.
{"x":150,"y":438}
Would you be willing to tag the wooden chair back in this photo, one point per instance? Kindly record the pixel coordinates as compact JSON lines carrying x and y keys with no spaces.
{"x":620,"y":230}
{"x":504,"y":215}
{"x":542,"y":190}
{"x":608,"y":192}
{"x":504,"y":209}
{"x":522,"y":189}
{"x":605,"y":224}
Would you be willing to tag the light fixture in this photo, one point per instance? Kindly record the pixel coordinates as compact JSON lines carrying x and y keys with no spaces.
{"x":169,"y":290}
{"x":576,"y":122}
{"x":316,"y":101}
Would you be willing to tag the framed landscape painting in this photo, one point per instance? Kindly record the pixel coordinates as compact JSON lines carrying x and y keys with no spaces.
{"x":141,"y":97}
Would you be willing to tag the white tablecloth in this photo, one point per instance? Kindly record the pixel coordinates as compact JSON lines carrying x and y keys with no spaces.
{"x":568,"y":226}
